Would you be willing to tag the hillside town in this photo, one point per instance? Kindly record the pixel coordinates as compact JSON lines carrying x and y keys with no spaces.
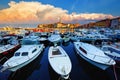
{"x":63,"y":27}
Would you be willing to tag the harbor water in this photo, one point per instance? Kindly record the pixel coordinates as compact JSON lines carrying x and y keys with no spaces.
{"x":40,"y":69}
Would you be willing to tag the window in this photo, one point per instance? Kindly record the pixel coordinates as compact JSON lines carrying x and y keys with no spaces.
{"x":34,"y":50}
{"x":24,"y":53}
{"x":17,"y":54}
{"x":82,"y":50}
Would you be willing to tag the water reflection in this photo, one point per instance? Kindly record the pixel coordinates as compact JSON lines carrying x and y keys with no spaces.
{"x":40,"y":69}
{"x":65,"y":43}
{"x":52,"y":73}
{"x":95,"y":73}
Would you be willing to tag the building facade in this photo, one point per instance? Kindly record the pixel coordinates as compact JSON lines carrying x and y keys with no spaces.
{"x":103,"y":23}
{"x":115,"y":23}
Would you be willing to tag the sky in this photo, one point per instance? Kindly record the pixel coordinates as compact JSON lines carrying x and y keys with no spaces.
{"x":51,"y":11}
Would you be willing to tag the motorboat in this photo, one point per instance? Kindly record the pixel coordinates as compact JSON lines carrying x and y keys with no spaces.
{"x":75,"y":38}
{"x":22,"y":57}
{"x":88,"y":37}
{"x":93,"y":55}
{"x":101,"y":37}
{"x":44,"y":37}
{"x":54,"y":38}
{"x":5,"y":49}
{"x":59,"y":61}
{"x":8,"y":45}
{"x":112,"y":51}
{"x":66,"y":39}
{"x":31,"y":37}
{"x":29,"y":51}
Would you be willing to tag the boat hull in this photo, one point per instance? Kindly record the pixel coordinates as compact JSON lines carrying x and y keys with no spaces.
{"x":59,"y":63}
{"x":13,"y":69}
{"x":8,"y":52}
{"x":98,"y":61}
{"x":101,"y":66}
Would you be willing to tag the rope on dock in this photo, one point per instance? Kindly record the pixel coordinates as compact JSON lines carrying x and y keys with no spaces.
{"x":115,"y":72}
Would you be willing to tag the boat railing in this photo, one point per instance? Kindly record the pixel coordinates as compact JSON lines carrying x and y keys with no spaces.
{"x":99,"y":56}
{"x":115,"y":47}
{"x":3,"y":59}
{"x":109,"y":60}
{"x":112,"y":49}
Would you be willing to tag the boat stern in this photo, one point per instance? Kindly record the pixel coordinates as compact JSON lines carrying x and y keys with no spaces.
{"x":65,"y":71}
{"x":65,"y":76}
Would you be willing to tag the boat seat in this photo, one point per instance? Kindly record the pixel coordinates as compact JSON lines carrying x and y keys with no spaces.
{"x":56,"y":52}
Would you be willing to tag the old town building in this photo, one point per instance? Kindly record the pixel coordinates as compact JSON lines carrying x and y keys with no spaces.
{"x":103,"y":23}
{"x":115,"y":23}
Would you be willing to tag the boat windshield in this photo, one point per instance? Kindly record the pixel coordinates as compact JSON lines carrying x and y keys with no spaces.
{"x":24,"y":54}
{"x":29,"y":42}
{"x":17,"y":54}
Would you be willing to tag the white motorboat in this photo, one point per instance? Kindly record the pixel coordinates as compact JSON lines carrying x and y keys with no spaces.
{"x":75,"y":38}
{"x":112,"y":51}
{"x":60,"y":61}
{"x":54,"y":38}
{"x":93,"y":55}
{"x":22,"y":57}
{"x":66,"y":39}
{"x":5,"y":49}
{"x":43,"y":39}
{"x":31,"y":37}
{"x":8,"y":46}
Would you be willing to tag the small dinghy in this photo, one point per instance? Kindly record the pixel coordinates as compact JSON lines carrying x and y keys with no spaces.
{"x":60,"y":61}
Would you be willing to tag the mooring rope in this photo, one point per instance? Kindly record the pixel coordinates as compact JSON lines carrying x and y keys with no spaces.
{"x":115,"y":72}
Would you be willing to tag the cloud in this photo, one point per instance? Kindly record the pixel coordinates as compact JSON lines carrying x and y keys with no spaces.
{"x":36,"y":12}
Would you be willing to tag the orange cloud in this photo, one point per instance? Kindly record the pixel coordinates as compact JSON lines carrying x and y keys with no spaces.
{"x":32,"y":12}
